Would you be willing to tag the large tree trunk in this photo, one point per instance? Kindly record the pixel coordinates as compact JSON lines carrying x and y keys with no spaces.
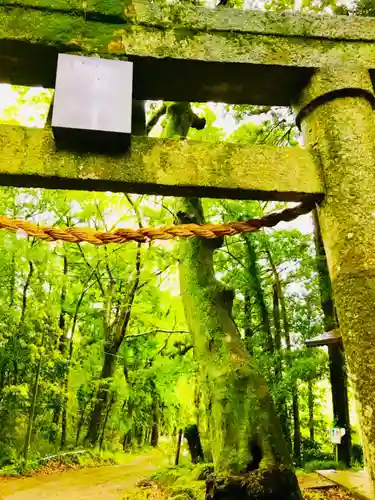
{"x":243,"y":425}
{"x":242,"y":413}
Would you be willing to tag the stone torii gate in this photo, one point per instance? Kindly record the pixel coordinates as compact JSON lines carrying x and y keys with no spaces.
{"x":322,"y":66}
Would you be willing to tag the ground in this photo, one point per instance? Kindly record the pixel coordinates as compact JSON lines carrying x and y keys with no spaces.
{"x":117,"y":482}
{"x":104,"y":483}
{"x":334,"y":493}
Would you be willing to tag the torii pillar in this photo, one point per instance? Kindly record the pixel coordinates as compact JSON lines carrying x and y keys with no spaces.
{"x":336,"y":115}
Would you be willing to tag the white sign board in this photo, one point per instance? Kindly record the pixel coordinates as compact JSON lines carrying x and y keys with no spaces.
{"x":337,"y":434}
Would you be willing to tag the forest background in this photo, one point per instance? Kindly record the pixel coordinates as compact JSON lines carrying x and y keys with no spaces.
{"x":94,"y":346}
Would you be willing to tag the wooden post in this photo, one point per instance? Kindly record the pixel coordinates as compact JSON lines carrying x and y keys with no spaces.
{"x":338,"y":378}
{"x":336,"y":113}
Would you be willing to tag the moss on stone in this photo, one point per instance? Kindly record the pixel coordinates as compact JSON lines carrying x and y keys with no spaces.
{"x":341,"y":136}
{"x":220,"y":20}
{"x":100,"y":7}
{"x":170,"y":34}
{"x":164,"y":166}
{"x":273,"y":54}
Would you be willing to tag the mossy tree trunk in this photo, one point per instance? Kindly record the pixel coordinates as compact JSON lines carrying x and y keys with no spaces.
{"x":242,"y":411}
{"x":244,"y":429}
{"x":241,"y":403}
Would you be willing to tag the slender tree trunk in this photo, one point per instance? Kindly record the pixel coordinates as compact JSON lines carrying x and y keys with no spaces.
{"x":310,"y":389}
{"x":294,"y":388}
{"x":155,"y":413}
{"x":247,"y":321}
{"x":12,"y":281}
{"x":295,"y":400}
{"x":296,"y":427}
{"x":64,"y":416}
{"x":126,"y":442}
{"x":109,"y":407}
{"x":33,"y":402}
{"x":281,"y":403}
{"x":337,"y":365}
{"x":2,"y":378}
{"x":179,"y":441}
{"x":155,"y":424}
{"x":102,"y":398}
{"x":62,"y":344}
{"x":80,"y":425}
{"x":22,"y":319}
{"x":258,"y":292}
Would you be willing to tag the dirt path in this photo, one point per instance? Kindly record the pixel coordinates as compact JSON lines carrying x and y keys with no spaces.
{"x":105,"y":483}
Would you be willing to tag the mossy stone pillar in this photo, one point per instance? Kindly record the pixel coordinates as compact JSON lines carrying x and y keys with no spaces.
{"x":336,"y":115}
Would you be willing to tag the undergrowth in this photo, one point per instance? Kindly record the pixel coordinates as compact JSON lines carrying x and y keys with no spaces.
{"x":185,"y":482}
{"x":314,"y":465}
{"x":72,"y":460}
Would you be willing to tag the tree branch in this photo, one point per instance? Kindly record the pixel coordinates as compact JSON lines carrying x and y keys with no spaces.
{"x":155,"y":117}
{"x":154,"y":332}
{"x":92,"y":268}
{"x":154,"y":276}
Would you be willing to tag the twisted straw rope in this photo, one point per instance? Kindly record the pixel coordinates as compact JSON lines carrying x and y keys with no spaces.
{"x":143,"y":235}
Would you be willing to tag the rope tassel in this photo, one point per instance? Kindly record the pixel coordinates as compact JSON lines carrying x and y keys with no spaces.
{"x":144,"y":235}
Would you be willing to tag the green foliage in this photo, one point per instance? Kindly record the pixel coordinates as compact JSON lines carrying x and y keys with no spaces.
{"x":154,"y":361}
{"x":184,"y":483}
{"x":84,"y":459}
{"x":323,"y":465}
{"x":314,"y":452}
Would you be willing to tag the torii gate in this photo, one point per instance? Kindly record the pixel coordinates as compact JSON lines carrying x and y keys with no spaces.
{"x":322,"y":66}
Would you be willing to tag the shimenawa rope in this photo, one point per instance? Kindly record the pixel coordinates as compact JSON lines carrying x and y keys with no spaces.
{"x":143,"y":235}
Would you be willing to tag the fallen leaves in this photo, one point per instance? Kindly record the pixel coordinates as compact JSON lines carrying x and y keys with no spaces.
{"x":335,"y":493}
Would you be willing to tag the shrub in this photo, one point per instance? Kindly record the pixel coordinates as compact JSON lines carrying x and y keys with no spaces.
{"x":323,"y":465}
{"x":357,"y":454}
{"x":311,"y":450}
